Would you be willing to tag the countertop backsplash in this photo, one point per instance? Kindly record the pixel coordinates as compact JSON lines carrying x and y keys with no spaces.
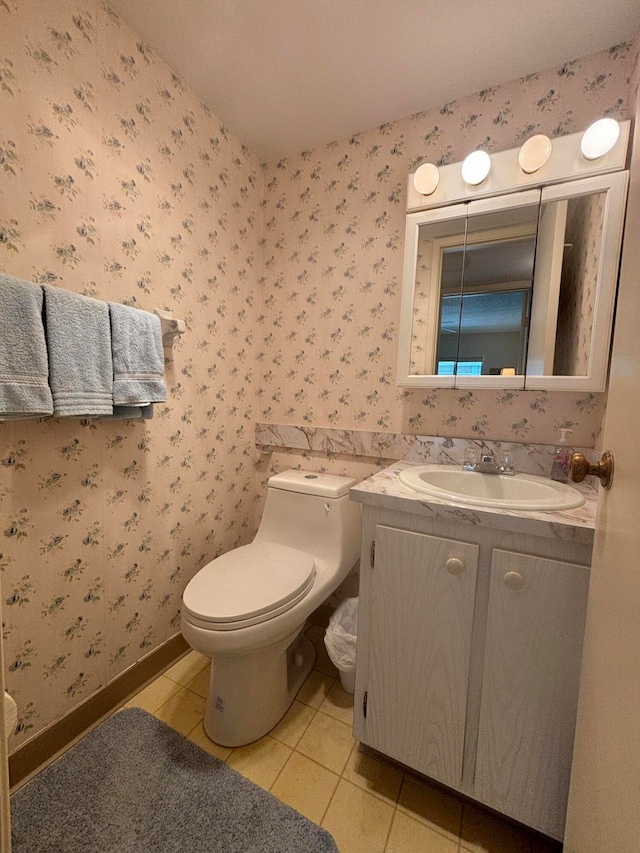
{"x":357,"y":444}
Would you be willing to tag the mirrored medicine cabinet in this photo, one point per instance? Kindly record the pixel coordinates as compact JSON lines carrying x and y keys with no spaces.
{"x":515,"y":290}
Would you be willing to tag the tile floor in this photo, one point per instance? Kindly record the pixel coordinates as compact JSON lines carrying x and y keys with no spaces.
{"x":311,"y":761}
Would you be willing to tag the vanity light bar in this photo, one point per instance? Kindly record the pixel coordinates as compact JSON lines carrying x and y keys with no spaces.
{"x":534,"y":153}
{"x":476,"y":168}
{"x":599,"y":138}
{"x":600,"y":149}
{"x":426,"y":179}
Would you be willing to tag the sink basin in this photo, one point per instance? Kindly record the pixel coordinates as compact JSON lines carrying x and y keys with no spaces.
{"x":521,"y":491}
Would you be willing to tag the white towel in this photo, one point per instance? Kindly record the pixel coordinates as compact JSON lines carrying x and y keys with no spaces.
{"x":138,"y":357}
{"x":79,"y":344}
{"x":24,"y":367}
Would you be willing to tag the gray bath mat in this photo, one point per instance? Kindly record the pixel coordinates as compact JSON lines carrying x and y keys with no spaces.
{"x":134,"y":784}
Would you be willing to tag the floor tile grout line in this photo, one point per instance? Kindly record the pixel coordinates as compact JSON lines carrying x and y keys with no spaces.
{"x":169,"y":668}
{"x":355,"y":745}
{"x":195,"y":693}
{"x":317,"y":763}
{"x":393,"y":817}
{"x":462,"y":810}
{"x":324,"y":714}
{"x":294,"y":751}
{"x":446,"y":837}
{"x":191,"y":731}
{"x":322,"y":819}
{"x":407,"y":812}
{"x":168,"y":677}
{"x":173,"y":696}
{"x":294,"y":747}
{"x":379,"y":797}
{"x":323,"y":697}
{"x":280,"y":772}
{"x":402,"y":784}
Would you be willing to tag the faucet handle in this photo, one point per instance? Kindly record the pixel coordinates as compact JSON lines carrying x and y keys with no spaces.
{"x":471,"y":458}
{"x":506,"y":463}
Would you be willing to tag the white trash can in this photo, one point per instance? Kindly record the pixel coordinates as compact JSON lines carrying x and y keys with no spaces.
{"x":340,"y":639}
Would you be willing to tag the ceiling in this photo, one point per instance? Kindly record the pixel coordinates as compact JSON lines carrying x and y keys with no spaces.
{"x":483,"y":313}
{"x":289,"y":75}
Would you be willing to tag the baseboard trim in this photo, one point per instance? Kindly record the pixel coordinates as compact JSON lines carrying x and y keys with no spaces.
{"x":28,"y":759}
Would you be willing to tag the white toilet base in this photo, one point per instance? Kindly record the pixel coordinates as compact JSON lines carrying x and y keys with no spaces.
{"x":250,"y":693}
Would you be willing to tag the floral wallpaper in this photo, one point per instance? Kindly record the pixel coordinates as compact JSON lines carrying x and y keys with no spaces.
{"x":585,"y":220}
{"x":634,"y":82}
{"x":116,"y":182}
{"x":333,"y":253}
{"x":424,"y":307}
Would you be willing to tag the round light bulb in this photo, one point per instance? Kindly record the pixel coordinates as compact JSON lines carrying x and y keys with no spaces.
{"x":534,"y":153}
{"x":476,"y":168}
{"x":426,"y":178}
{"x":600,"y":138}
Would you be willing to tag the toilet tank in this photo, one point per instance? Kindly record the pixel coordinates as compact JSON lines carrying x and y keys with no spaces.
{"x":312,"y":513}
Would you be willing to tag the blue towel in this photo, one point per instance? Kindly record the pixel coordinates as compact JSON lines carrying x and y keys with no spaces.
{"x":24,"y":367}
{"x":79,"y":344}
{"x":138,"y":357}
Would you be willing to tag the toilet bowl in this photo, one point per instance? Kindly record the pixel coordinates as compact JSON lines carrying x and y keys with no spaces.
{"x":247,"y":609}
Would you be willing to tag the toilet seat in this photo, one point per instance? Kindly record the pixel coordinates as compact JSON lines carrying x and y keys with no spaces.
{"x":248,"y":585}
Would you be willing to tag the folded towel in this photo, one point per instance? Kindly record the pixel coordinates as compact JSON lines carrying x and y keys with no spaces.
{"x":24,"y":367}
{"x":138,"y":357}
{"x":79,"y":343}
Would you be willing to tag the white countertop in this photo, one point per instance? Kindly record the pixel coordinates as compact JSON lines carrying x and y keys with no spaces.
{"x":384,"y":489}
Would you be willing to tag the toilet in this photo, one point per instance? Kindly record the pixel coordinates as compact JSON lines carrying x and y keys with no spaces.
{"x":247,"y":608}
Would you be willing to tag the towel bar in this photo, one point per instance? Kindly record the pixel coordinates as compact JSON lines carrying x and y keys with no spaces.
{"x":171,"y":326}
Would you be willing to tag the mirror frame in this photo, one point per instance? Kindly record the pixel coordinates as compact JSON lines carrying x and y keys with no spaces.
{"x":615,"y":186}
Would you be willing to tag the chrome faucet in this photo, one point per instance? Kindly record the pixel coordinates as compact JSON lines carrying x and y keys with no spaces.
{"x":487,"y":464}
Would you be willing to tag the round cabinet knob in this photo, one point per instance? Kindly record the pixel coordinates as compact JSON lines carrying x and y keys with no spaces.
{"x":514,"y":580}
{"x":455,"y":566}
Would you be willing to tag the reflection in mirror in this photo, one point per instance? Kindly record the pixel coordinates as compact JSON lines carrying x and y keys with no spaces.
{"x":582,"y":248}
{"x":497,"y":285}
{"x":569,"y":247}
{"x":436,"y":242}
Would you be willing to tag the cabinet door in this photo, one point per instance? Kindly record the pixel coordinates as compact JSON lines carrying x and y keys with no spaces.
{"x":530,"y":688}
{"x":421,"y":612}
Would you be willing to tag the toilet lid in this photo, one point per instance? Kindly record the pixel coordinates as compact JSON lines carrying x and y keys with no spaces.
{"x":249,"y":583}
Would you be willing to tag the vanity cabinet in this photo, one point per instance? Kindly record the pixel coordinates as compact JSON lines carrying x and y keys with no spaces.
{"x":469,"y":655}
{"x":530,"y":680}
{"x":421,"y":612}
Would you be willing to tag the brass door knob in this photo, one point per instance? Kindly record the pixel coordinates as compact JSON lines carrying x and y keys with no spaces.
{"x":580,"y":467}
